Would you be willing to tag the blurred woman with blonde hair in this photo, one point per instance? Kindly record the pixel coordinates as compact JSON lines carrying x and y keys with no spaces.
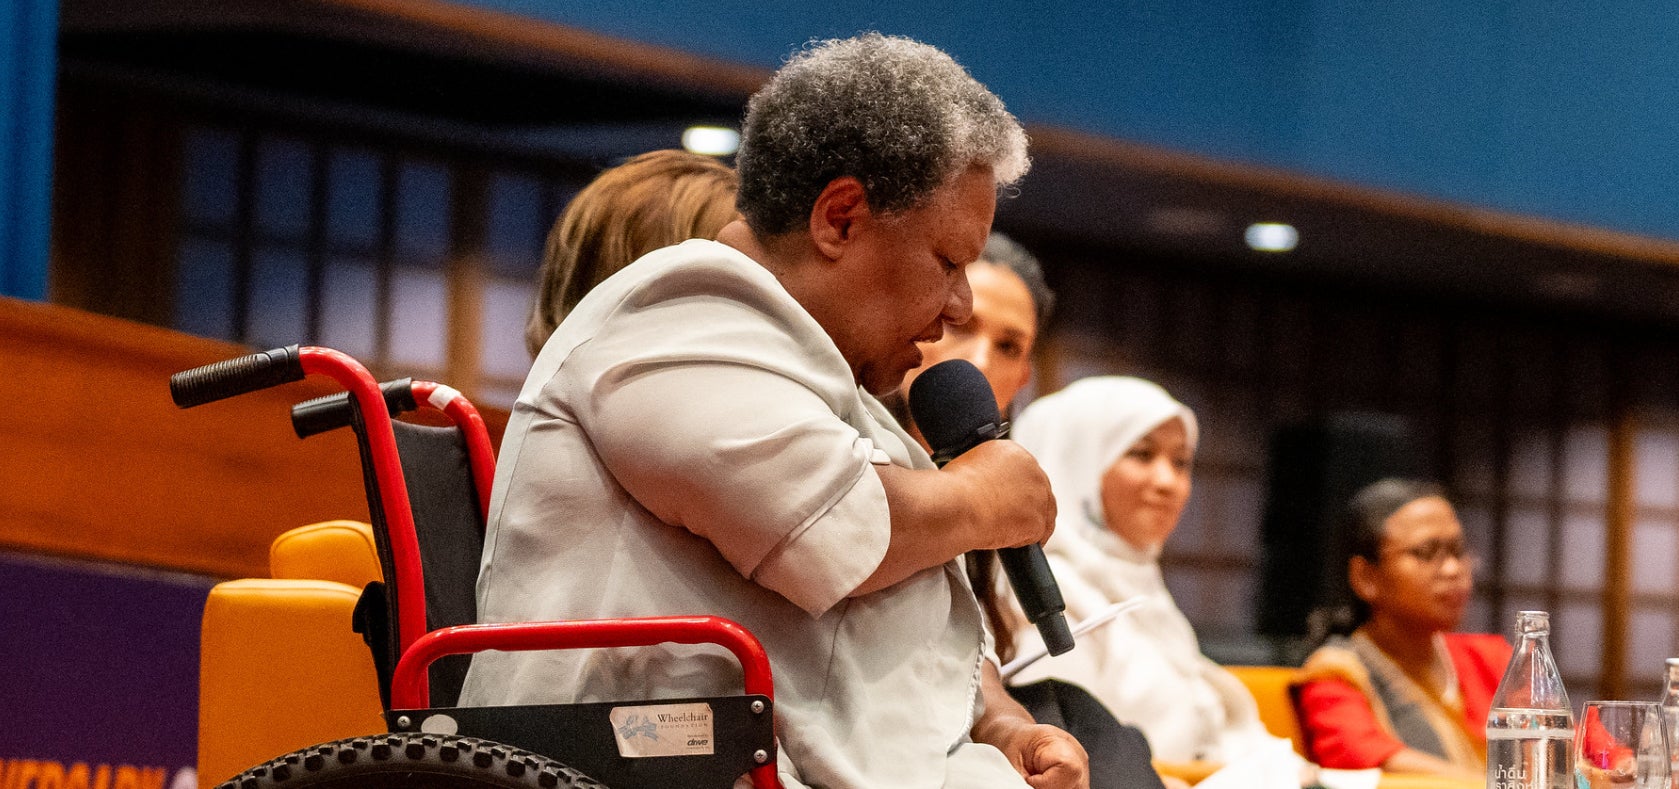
{"x":653,"y":200}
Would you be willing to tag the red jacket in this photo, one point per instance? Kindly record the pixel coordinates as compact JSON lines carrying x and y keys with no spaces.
{"x":1340,"y":726}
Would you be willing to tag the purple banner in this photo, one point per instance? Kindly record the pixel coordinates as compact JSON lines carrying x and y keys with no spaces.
{"x":101,"y":675}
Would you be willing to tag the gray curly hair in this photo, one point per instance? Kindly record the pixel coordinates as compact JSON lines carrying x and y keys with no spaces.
{"x":900,"y":116}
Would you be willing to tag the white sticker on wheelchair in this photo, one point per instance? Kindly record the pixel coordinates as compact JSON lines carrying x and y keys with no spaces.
{"x":439,"y":724}
{"x":663,"y":730}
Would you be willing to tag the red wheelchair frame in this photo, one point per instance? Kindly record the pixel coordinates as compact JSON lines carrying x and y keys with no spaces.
{"x":371,"y":409}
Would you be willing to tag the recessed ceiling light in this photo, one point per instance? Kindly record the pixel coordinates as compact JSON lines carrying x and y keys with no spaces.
{"x":1271,"y":236}
{"x":711,"y":140}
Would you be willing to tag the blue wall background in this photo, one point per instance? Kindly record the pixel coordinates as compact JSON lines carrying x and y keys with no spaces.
{"x":1562,"y":110}
{"x":27,"y":52}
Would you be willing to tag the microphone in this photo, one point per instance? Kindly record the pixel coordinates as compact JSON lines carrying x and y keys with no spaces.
{"x":952,"y":404}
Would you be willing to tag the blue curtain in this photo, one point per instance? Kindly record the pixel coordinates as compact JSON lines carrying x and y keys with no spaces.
{"x":28,"y":30}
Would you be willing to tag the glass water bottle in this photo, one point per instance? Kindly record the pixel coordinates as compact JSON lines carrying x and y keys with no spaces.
{"x":1670,"y":717}
{"x":1530,"y":729}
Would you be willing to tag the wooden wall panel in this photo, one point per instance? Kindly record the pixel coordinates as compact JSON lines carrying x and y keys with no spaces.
{"x":96,"y":462}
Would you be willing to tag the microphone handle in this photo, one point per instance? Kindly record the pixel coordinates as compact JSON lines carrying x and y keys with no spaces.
{"x":1026,"y":567}
{"x":1040,"y":596}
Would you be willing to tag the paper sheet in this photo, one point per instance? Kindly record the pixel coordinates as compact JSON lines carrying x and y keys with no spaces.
{"x":1101,"y":617}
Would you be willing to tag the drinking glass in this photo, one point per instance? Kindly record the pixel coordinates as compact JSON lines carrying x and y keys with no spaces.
{"x":1620,"y":745}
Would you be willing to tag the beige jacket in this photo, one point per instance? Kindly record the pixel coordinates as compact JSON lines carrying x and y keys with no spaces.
{"x":691,"y":441}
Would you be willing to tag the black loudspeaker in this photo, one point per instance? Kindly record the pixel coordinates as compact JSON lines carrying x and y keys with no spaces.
{"x":1315,"y":468}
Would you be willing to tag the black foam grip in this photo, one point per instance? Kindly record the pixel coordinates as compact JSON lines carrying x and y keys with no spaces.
{"x":235,"y":377}
{"x":313,"y":417}
{"x":952,"y":404}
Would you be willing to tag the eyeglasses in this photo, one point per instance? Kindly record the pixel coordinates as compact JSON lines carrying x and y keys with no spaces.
{"x":1435,"y":552}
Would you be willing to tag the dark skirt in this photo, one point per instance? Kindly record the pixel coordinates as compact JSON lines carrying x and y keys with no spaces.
{"x":1119,"y":754}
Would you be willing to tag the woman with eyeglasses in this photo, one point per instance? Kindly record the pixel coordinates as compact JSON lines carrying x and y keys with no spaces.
{"x":1396,"y":688}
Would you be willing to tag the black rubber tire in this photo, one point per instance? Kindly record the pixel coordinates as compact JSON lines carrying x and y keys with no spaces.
{"x":411,"y":761}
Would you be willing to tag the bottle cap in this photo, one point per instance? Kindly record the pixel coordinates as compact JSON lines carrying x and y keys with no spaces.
{"x":1532,"y":622}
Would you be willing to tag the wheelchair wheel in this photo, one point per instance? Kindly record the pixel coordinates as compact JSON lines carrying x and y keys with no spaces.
{"x":411,"y":761}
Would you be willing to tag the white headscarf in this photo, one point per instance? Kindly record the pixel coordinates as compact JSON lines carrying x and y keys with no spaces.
{"x":1148,"y":667}
{"x":1078,"y":432}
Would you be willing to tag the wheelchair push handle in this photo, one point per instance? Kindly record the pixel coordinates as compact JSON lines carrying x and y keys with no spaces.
{"x":234,"y":377}
{"x":323,"y":414}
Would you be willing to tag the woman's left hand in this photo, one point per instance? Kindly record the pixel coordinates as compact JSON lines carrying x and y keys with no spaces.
{"x":1048,"y":757}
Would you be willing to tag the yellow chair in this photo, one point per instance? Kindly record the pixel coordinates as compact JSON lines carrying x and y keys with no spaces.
{"x":279,"y":667}
{"x":339,"y":551}
{"x":1270,"y":688}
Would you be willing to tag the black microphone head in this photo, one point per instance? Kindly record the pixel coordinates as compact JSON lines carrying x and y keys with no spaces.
{"x":953,"y":405}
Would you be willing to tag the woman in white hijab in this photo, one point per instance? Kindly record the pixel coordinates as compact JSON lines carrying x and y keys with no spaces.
{"x":1118,"y":453}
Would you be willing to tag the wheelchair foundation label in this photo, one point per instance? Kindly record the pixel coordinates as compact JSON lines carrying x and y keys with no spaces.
{"x":663,"y":730}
